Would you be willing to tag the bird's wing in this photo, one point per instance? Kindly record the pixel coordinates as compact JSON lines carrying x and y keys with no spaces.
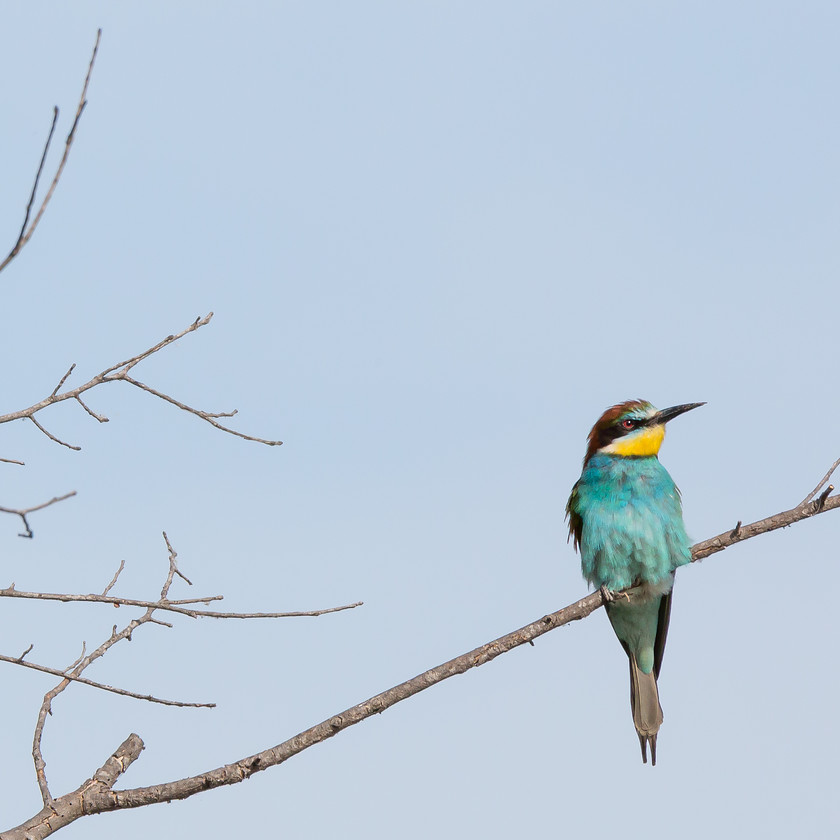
{"x":574,"y":517}
{"x":661,"y":632}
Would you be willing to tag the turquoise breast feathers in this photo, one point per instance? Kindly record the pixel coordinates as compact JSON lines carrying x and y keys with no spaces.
{"x":632,"y":528}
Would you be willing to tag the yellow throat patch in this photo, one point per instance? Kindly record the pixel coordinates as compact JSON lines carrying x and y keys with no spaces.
{"x":644,"y":442}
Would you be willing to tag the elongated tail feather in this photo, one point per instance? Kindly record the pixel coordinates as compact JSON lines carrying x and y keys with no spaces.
{"x":647,"y":713}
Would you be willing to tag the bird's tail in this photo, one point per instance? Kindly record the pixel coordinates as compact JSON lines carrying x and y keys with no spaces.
{"x":647,"y":713}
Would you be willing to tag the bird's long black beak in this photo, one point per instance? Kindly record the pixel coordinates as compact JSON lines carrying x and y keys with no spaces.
{"x":670,"y":413}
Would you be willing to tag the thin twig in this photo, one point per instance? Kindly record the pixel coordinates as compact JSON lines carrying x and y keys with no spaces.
{"x":170,"y":606}
{"x":100,"y":417}
{"x":63,"y":380}
{"x":294,"y":614}
{"x":26,"y":232}
{"x":110,"y":586}
{"x":173,"y":569}
{"x":34,"y":192}
{"x":822,"y":482}
{"x":46,"y":708}
{"x":804,"y":510}
{"x":119,"y":373}
{"x":208,"y":416}
{"x":24,"y":511}
{"x":161,"y":622}
{"x":56,"y":672}
{"x":53,"y":437}
{"x":41,"y":506}
{"x":77,"y":660}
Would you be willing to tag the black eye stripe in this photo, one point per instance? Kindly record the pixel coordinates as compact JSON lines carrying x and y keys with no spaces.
{"x":619,"y":429}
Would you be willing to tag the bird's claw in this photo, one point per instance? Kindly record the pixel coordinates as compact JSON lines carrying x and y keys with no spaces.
{"x":606,"y":594}
{"x":609,"y":596}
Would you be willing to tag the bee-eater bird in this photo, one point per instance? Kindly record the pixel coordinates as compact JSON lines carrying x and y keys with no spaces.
{"x":625,"y":517}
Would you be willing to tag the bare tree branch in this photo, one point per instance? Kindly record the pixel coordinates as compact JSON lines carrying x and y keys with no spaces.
{"x":210,"y":417}
{"x":24,"y":511}
{"x":53,"y":438}
{"x":63,"y":379}
{"x":57,"y":672}
{"x":100,"y":417}
{"x":120,"y":373}
{"x":73,"y":672}
{"x":823,"y":482}
{"x":114,"y":579}
{"x":169,"y":606}
{"x":804,"y":510}
{"x":18,"y":243}
{"x":89,"y":799}
{"x":173,"y":570}
{"x":26,"y":232}
{"x":124,"y":756}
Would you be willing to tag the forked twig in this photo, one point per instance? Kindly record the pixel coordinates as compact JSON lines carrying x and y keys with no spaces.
{"x":120,"y":373}
{"x":24,"y":511}
{"x":26,"y":232}
{"x":823,"y":482}
{"x":74,"y":671}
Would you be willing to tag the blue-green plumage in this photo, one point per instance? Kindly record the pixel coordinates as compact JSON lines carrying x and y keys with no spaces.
{"x":625,"y":516}
{"x":632,"y":528}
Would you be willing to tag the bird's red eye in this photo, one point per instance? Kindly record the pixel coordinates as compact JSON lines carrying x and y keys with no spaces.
{"x":629,"y":424}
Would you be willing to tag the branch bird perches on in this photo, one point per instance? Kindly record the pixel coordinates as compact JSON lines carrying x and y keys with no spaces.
{"x":97,"y":795}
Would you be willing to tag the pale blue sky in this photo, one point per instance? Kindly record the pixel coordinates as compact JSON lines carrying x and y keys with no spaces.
{"x":439,"y":239}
